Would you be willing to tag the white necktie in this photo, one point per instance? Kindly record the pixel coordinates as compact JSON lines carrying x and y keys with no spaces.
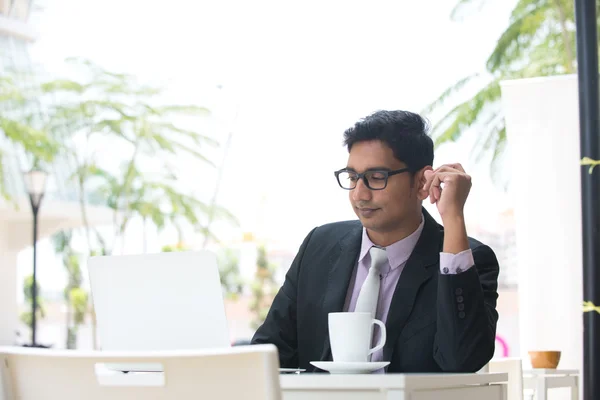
{"x":369,"y":293}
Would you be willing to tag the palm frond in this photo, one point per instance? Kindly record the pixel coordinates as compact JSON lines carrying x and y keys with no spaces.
{"x":464,"y":6}
{"x":62,"y":85}
{"x":517,"y":39}
{"x":195,"y":153}
{"x":224,"y":214}
{"x":487,"y":136}
{"x":34,"y":141}
{"x":525,"y":7}
{"x":466,"y":114}
{"x":163,"y":143}
{"x":187,"y":110}
{"x":446,"y":94}
{"x":195,"y":136}
{"x":498,"y":170}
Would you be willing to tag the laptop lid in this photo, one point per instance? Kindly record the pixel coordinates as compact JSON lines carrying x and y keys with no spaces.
{"x":164,"y":301}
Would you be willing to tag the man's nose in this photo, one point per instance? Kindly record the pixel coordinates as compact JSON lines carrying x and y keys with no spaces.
{"x":361,"y":192}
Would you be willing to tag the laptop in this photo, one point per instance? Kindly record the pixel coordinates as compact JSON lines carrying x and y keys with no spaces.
{"x":153,"y":302}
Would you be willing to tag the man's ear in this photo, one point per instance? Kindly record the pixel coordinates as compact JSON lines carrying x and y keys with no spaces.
{"x":420,"y":182}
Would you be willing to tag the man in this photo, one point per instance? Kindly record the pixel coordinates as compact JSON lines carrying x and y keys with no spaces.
{"x":437,"y":287}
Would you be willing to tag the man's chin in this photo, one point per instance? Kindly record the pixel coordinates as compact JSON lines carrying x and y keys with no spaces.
{"x":369,"y":223}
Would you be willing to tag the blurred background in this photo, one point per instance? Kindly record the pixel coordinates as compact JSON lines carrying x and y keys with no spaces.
{"x":180,"y":125}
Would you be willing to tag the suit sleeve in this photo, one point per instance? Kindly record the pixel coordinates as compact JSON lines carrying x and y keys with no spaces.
{"x":280,"y":325}
{"x":466,"y":315}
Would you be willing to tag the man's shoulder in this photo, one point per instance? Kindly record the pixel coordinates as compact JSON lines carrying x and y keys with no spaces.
{"x":327,"y":238}
{"x":340,"y":226}
{"x":336,"y":230}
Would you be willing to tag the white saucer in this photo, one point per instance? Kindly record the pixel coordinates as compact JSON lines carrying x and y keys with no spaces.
{"x":291,"y":370}
{"x":349,"y":367}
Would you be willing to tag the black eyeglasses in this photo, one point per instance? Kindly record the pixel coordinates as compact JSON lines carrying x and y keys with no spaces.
{"x":373,"y":179}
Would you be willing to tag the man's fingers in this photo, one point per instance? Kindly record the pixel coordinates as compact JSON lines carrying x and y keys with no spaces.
{"x":434,"y":180}
{"x":449,"y":168}
{"x":429,"y":175}
{"x":456,"y":166}
{"x":434,"y":188}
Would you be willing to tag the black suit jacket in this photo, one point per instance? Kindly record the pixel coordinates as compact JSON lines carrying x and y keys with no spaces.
{"x":436,"y":323}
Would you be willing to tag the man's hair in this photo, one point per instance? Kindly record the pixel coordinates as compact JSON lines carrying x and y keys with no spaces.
{"x":406,"y":133}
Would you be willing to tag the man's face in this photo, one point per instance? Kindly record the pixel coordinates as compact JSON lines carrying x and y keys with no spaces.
{"x":387,"y":210}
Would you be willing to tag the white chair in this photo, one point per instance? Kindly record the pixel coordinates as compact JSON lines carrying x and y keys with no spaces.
{"x":514,"y":368}
{"x":244,"y":372}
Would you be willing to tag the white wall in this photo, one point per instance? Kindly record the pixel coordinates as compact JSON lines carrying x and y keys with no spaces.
{"x":8,"y":294}
{"x":542,"y":120}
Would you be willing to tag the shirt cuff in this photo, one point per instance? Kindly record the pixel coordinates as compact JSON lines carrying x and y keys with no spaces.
{"x":452,"y":264}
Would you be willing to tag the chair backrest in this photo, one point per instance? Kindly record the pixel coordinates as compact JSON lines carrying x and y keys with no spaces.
{"x":244,"y":372}
{"x":514,"y":368}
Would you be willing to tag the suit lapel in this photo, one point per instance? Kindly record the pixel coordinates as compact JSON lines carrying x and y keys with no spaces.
{"x":342,"y":265}
{"x":418,"y":270}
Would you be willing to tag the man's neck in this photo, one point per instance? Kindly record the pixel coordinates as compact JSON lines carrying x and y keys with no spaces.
{"x":384,"y":239}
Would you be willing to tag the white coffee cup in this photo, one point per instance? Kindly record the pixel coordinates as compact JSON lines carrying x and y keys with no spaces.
{"x":350,"y":336}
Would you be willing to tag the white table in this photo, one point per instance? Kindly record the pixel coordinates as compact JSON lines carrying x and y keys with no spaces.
{"x":488,"y":386}
{"x":540,"y":380}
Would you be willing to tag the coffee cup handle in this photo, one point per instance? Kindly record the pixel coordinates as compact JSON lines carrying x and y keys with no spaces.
{"x":382,"y":339}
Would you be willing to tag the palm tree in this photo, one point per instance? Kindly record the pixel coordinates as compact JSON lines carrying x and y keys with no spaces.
{"x":539,"y":41}
{"x":113,"y":109}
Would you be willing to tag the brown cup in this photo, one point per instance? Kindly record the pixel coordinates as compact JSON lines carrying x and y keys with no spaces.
{"x":544,"y":359}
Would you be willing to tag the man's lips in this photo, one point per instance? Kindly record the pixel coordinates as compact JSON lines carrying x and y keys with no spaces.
{"x":366,"y":211}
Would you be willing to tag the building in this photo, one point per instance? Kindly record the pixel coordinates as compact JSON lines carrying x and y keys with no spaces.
{"x":60,"y":209}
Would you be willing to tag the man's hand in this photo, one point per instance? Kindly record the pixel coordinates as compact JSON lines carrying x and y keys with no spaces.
{"x":448,"y":187}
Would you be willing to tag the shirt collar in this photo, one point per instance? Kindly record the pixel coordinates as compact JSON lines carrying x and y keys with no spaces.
{"x":398,"y":252}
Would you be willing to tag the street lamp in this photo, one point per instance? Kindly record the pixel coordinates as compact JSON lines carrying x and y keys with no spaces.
{"x":35,"y":183}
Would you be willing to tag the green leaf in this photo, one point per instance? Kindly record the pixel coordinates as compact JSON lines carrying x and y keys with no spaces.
{"x":163,"y":143}
{"x":195,"y":153}
{"x":63,"y":85}
{"x":518,"y":37}
{"x":466,"y":114}
{"x":446,"y":94}
{"x":189,"y":110}
{"x":197,"y":138}
{"x":34,"y":141}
